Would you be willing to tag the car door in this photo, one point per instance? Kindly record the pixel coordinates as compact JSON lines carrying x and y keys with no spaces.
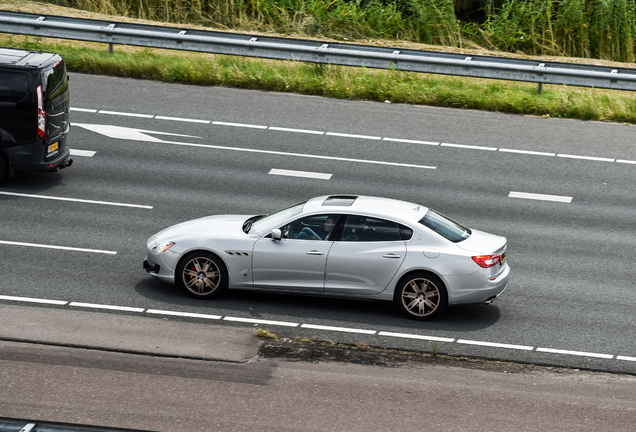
{"x":297,"y":261}
{"x":366,"y":258}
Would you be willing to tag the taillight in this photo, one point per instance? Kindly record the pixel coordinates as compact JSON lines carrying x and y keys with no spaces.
{"x":486,"y":261}
{"x":41,"y":113}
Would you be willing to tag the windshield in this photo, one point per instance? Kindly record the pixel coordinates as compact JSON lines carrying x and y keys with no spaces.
{"x":447,"y":228}
{"x":276,"y":219}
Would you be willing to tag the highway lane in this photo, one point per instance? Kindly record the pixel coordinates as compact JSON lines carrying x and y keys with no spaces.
{"x":572,"y":285}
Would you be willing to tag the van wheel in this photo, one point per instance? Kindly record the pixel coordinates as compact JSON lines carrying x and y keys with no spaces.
{"x":4,"y":168}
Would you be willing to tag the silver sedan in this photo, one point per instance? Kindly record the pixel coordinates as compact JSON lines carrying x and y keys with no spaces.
{"x":349,"y":246}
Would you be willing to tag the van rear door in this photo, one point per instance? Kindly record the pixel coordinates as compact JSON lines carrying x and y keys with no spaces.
{"x":56,"y":106}
{"x":17,"y":119}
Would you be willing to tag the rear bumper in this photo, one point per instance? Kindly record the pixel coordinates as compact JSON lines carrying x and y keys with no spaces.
{"x":34,"y":156}
{"x":476,"y":290}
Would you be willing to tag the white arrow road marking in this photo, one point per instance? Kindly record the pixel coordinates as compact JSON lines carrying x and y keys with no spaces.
{"x":120,"y":132}
{"x":86,"y":153}
{"x":126,"y":133}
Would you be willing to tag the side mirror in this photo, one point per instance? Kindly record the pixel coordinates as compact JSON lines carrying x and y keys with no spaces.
{"x":277,"y":234}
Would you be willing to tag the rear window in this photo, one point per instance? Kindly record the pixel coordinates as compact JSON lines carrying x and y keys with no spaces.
{"x":447,"y":228}
{"x":54,"y":77}
{"x":13,"y":86}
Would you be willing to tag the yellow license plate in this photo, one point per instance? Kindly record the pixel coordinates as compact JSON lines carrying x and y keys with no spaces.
{"x":54,"y":147}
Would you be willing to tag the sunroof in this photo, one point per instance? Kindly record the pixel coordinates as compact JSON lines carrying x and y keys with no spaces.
{"x":340,"y":200}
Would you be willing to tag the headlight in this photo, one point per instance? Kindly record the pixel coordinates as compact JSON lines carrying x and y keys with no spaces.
{"x":163,"y":246}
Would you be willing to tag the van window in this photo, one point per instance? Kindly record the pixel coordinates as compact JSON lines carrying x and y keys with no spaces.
{"x":53,"y":77}
{"x":13,"y":87}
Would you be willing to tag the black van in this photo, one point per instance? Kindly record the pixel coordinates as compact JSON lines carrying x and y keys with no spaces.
{"x":34,"y":112}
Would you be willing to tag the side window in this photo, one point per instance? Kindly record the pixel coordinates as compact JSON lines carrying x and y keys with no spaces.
{"x":317,"y":227}
{"x":13,"y":87}
{"x":368,"y":229}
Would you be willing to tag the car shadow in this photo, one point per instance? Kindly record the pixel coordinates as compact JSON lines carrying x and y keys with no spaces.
{"x":358,"y":313}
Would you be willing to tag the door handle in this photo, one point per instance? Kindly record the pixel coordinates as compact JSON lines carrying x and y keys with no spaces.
{"x":315,"y":252}
{"x":391,"y":255}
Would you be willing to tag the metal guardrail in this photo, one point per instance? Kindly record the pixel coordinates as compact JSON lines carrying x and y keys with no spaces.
{"x":19,"y":425}
{"x":477,"y":66}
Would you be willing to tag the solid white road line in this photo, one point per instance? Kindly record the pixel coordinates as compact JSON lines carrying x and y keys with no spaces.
{"x":528,"y":152}
{"x":12,"y":243}
{"x":576,"y":353}
{"x":305,"y":174}
{"x":341,"y":329}
{"x":259,"y":321}
{"x":125,"y":114}
{"x":540,"y":197}
{"x":33,"y":300}
{"x":494,"y":344}
{"x":76,"y":200}
{"x":251,"y":126}
{"x":410,"y":141}
{"x":465,"y":146}
{"x":591,"y":158}
{"x":307,"y":131}
{"x":627,"y":358}
{"x":86,"y":153}
{"x":626,"y":161}
{"x":414,"y":336}
{"x":377,"y":138}
{"x":183,"y":314}
{"x":189,"y":120}
{"x":109,"y":307}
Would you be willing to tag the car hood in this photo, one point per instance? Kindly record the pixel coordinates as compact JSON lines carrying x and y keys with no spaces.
{"x":483,"y":243}
{"x":215,"y":226}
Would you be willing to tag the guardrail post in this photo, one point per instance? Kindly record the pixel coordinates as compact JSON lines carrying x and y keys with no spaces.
{"x":110,"y":50}
{"x":540,"y":89}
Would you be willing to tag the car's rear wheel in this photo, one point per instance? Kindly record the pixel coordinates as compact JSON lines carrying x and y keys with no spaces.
{"x":421,"y":296}
{"x":202,"y":275}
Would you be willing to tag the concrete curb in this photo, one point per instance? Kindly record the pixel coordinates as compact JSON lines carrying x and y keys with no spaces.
{"x":122,"y":333}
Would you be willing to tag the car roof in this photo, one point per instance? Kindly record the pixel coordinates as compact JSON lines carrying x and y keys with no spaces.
{"x":18,"y":57}
{"x":368,"y":205}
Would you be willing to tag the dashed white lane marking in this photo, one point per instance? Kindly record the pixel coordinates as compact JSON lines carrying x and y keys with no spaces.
{"x":260,"y":321}
{"x":591,"y":158}
{"x":250,"y":126}
{"x":307,"y":131}
{"x":407,"y":141}
{"x":125,"y":114}
{"x":109,"y":307}
{"x":575,"y":353}
{"x":528,"y":152}
{"x":33,"y":300}
{"x":183,"y":314}
{"x":413,"y":336}
{"x":495,"y":345}
{"x":183,"y":119}
{"x":75,"y":200}
{"x":322,"y":327}
{"x":540,"y":197}
{"x":465,"y":146}
{"x":340,"y":329}
{"x":12,"y":243}
{"x":85,"y":153}
{"x":377,"y":138}
{"x":305,"y":174}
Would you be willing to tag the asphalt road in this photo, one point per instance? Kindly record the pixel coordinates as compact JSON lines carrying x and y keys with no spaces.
{"x":571,"y":299}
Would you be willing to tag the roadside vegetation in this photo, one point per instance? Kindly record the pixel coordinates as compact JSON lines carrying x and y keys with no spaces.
{"x":368,"y":22}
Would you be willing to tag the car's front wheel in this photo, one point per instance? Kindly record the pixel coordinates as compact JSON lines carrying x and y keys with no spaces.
{"x":421,"y":296}
{"x":202,"y":275}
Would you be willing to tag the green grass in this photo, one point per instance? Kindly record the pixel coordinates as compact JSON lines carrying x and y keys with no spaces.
{"x":339,"y":82}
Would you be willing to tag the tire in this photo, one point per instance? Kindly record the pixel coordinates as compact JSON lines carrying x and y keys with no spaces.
{"x":421,"y":296}
{"x":202,"y":275}
{"x":4,"y":168}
